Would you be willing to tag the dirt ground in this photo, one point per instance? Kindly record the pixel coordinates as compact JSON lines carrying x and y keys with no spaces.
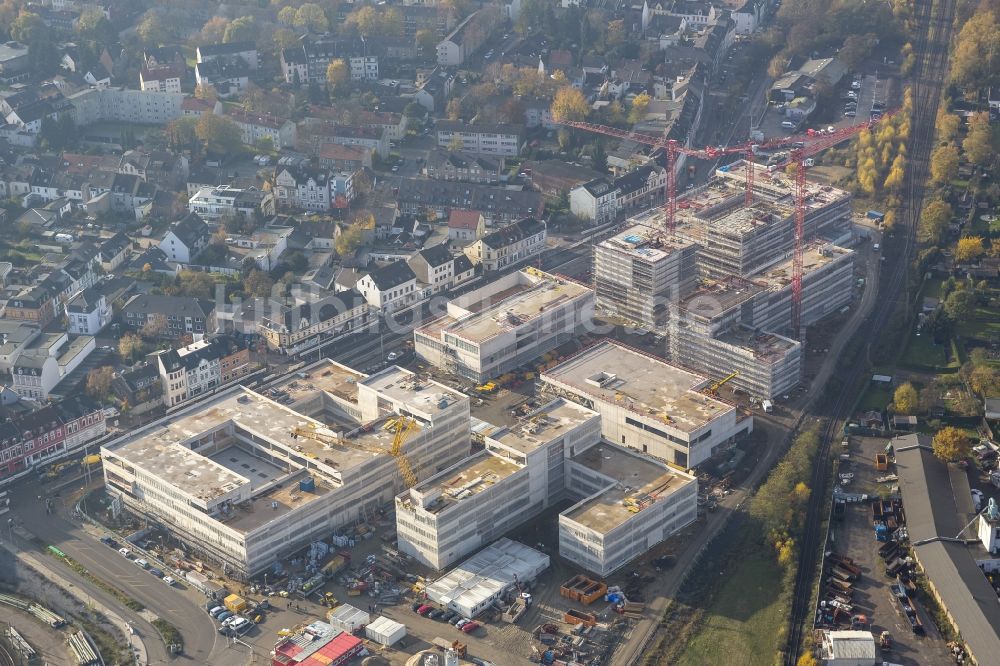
{"x":855,"y":537}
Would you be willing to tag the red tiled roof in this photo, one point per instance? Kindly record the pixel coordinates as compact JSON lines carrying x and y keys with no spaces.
{"x":463,"y":219}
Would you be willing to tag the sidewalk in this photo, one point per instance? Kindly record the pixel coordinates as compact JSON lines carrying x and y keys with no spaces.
{"x":36,"y":563}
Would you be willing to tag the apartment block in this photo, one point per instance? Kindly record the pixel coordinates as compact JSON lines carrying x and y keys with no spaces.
{"x":648,"y":404}
{"x":505,"y":324}
{"x":245,"y":480}
{"x":480,"y":139}
{"x":509,"y":245}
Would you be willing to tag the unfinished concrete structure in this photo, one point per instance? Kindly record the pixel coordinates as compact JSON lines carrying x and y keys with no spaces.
{"x":626,"y":502}
{"x":246,"y":479}
{"x":505,"y":324}
{"x":648,"y":404}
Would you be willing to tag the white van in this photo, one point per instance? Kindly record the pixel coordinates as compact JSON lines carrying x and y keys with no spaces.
{"x":788,"y":124}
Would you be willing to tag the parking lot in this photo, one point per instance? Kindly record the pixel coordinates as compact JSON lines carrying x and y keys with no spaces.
{"x":854,"y":536}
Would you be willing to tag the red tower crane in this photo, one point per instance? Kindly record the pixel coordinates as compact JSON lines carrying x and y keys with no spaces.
{"x":803,"y":146}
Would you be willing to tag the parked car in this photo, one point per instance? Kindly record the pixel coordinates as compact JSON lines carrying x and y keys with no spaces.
{"x":141,"y":562}
{"x":469,"y":627}
{"x":223,"y":616}
{"x":449,"y":616}
{"x":168,"y":580}
{"x":110,"y":543}
{"x":216,"y":611}
{"x":457,"y":620}
{"x":156,"y":572}
{"x":461,"y":623}
{"x":124,"y":552}
{"x":425,"y":609}
{"x":416,"y":606}
{"x":849,"y":114}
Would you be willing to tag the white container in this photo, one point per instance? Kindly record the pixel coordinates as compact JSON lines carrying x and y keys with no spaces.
{"x":384,"y":631}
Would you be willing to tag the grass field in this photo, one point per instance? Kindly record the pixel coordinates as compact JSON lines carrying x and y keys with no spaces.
{"x":744,"y":623}
{"x":875,"y":397}
{"x":921,"y":351}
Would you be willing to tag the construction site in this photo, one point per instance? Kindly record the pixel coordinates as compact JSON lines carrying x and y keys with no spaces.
{"x":760,"y":280}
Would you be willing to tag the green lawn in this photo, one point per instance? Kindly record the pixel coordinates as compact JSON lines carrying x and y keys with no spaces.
{"x":875,"y":397}
{"x":921,"y":351}
{"x":979,"y":329}
{"x":744,"y":623}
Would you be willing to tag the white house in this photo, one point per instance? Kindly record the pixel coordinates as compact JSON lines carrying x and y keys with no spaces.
{"x":161,"y":79}
{"x":303,"y":187}
{"x":389,"y":288}
{"x":257,"y":126}
{"x":88,"y":312}
{"x":595,"y":201}
{"x":185,"y":239}
{"x":41,"y":367}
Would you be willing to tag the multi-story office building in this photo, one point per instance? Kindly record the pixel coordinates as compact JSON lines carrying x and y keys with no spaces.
{"x":648,"y":404}
{"x":245,"y":480}
{"x":505,"y":324}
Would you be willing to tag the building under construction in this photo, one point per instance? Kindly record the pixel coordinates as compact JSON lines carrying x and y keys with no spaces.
{"x":733,"y":320}
{"x":626,"y":502}
{"x":503,"y":325}
{"x":247,"y":478}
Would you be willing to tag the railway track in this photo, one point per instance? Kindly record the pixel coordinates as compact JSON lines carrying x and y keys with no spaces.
{"x":6,"y":656}
{"x":935,"y":18}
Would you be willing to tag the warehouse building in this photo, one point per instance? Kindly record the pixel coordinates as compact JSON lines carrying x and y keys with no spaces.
{"x":473,"y":586}
{"x":640,"y":271}
{"x":505,"y":324}
{"x":648,"y":404}
{"x":245,"y":478}
{"x":518,"y":476}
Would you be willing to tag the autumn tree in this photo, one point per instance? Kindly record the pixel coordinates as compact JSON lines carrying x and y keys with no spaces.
{"x":258,"y":283}
{"x":897,"y":173}
{"x":969,"y":249}
{"x":947,"y":125}
{"x":807,"y":658}
{"x":569,"y":104}
{"x":27,"y":28}
{"x":456,"y":144}
{"x":978,"y":143}
{"x":213,"y":30}
{"x":311,"y":17}
{"x":337,"y":73}
{"x":99,"y":382}
{"x":94,"y":26}
{"x":243,"y":29}
{"x":906,"y":399}
{"x":933,"y":220}
{"x":219,"y":134}
{"x":951,"y":444}
{"x":856,"y":49}
{"x":975,"y":59}
{"x":640,"y":103}
{"x":453,"y":109}
{"x":944,"y":164}
{"x":286,"y":15}
{"x":153,"y":30}
{"x":349,"y":240}
{"x":985,"y":380}
{"x":130,"y":346}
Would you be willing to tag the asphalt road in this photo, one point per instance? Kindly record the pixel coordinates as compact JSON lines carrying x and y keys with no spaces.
{"x":202,"y":643}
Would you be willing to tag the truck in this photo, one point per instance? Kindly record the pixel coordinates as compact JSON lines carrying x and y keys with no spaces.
{"x":767,"y":405}
{"x":209,"y":588}
{"x":331,"y":568}
{"x":235,"y":603}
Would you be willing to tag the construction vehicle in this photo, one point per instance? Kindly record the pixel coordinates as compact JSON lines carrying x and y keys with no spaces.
{"x":714,"y":388}
{"x":885,"y":640}
{"x":403,"y":427}
{"x":488,"y":387}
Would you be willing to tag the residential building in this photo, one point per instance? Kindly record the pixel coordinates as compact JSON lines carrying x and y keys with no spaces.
{"x":46,"y":362}
{"x":96,"y":105}
{"x":35,"y":304}
{"x":305,"y":64}
{"x":185,"y":239}
{"x":165,"y":79}
{"x":113,"y":251}
{"x":447,"y":165}
{"x":215,"y":203}
{"x":15,"y":337}
{"x":481,"y":139}
{"x":641,"y":188}
{"x":318,"y":324}
{"x":228,"y":77}
{"x":467,"y":37}
{"x":338,"y":157}
{"x":438,"y":270}
{"x":161,"y":167}
{"x":465,"y":226}
{"x":390,"y":288}
{"x":168,"y":317}
{"x":434,"y":89}
{"x":257,"y":127}
{"x":196,"y":107}
{"x":394,"y":124}
{"x":13,"y":62}
{"x":498,"y":206}
{"x":245,"y":51}
{"x":31,"y":439}
{"x":506,"y":323}
{"x":509,"y":245}
{"x":595,"y":201}
{"x":648,"y":404}
{"x":202,"y":367}
{"x":317,"y":469}
{"x":88,"y":312}
{"x":302,"y":187}
{"x":365,"y":137}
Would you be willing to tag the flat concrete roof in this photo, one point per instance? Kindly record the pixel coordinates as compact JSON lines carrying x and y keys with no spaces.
{"x":713,"y":297}
{"x":327,"y":376}
{"x":273,"y":504}
{"x":640,"y":482}
{"x":417,"y":392}
{"x":543,"y":425}
{"x":814,"y":257}
{"x":507,"y":310}
{"x":763,"y":346}
{"x":467,"y":479}
{"x":650,"y":245}
{"x":644,"y":384}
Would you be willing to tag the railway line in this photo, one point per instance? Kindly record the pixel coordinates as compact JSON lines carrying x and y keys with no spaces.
{"x":934,"y":19}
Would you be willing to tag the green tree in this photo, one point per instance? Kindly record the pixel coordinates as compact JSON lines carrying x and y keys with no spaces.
{"x":265,"y":144}
{"x":287,"y":15}
{"x":95,"y":27}
{"x":311,"y":17}
{"x":960,"y":305}
{"x":258,"y":283}
{"x":906,"y":399}
{"x":985,"y":380}
{"x":243,"y":29}
{"x":28,"y":27}
{"x":951,"y":444}
{"x":219,"y":134}
{"x":857,"y":48}
{"x":152,"y":31}
{"x":196,"y":284}
{"x":978,"y":143}
{"x":427,"y":40}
